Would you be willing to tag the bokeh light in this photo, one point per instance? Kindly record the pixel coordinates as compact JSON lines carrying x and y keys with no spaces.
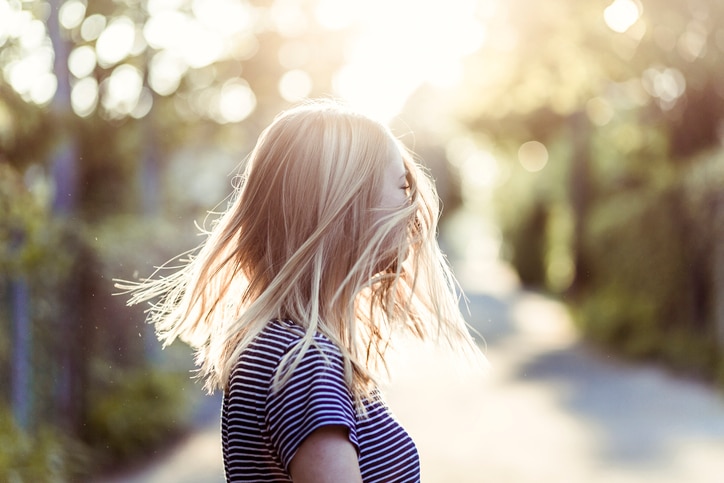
{"x":82,"y":61}
{"x":480,"y":171}
{"x":165,"y":71}
{"x":235,"y":102}
{"x":295,"y":84}
{"x":288,"y":18}
{"x":122,"y":90}
{"x":28,"y":67}
{"x":533,"y":156}
{"x":386,"y":57}
{"x":229,"y":17}
{"x":621,"y":15}
{"x":116,"y":41}
{"x":84,"y":96}
{"x":31,"y":76}
{"x":599,"y":111}
{"x":72,"y":13}
{"x":92,"y":27}
{"x":666,"y":84}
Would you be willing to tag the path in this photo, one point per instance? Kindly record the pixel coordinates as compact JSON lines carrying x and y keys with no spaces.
{"x":548,"y":409}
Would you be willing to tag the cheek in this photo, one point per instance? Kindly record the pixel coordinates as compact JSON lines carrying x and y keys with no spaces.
{"x":392,"y":200}
{"x":391,"y":196}
{"x":391,"y":244}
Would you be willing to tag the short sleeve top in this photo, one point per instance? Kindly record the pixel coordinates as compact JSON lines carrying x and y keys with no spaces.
{"x":262,"y":429}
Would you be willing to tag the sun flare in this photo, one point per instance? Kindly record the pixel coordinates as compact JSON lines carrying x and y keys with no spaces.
{"x":398,"y":45}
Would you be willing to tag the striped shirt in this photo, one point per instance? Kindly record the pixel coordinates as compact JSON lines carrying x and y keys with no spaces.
{"x":262,"y":429}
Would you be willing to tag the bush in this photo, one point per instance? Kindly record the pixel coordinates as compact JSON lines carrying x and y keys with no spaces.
{"x":649,"y":288}
{"x":139,"y":411}
{"x":48,"y":456}
{"x":528,"y":244}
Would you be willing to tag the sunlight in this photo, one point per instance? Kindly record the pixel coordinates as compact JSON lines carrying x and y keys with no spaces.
{"x":335,"y":14}
{"x":288,"y":18}
{"x":295,"y":85}
{"x":165,"y":71}
{"x":621,"y":15}
{"x":122,"y":90}
{"x":13,"y":20}
{"x":82,"y":61}
{"x":84,"y":96}
{"x":185,"y":36}
{"x":692,"y":43}
{"x":235,"y":103}
{"x":92,"y":27}
{"x":5,"y":19}
{"x":30,"y":71}
{"x":156,"y":6}
{"x":390,"y":55}
{"x":227,"y":16}
{"x":116,"y":41}
{"x":479,"y":169}
{"x":34,"y":35}
{"x":666,"y":84}
{"x":32,"y":76}
{"x":165,"y":29}
{"x":72,"y":13}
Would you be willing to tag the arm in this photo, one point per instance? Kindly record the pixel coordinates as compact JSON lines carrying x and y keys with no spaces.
{"x":326,"y":456}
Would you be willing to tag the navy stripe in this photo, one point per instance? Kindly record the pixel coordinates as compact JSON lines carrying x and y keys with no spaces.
{"x":262,"y":429}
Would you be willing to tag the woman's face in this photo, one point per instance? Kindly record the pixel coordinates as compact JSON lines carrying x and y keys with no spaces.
{"x":394,"y":195}
{"x":394,"y":185}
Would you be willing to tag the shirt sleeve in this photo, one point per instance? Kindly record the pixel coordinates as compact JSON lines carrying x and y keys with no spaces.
{"x":315,"y":396}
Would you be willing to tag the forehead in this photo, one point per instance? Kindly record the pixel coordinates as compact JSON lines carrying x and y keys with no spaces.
{"x":396,"y":164}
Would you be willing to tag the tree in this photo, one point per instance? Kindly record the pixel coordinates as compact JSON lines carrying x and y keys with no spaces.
{"x":132,"y":85}
{"x":624,"y":96}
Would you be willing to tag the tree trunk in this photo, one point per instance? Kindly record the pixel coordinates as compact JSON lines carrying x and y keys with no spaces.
{"x":718,"y":266}
{"x":580,"y":195}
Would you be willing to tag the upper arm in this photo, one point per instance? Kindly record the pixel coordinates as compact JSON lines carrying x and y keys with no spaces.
{"x":314,"y":399}
{"x":326,"y":455}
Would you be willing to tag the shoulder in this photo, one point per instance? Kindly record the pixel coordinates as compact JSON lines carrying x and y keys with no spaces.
{"x":286,"y":340}
{"x":281,"y":344}
{"x":307,"y":356}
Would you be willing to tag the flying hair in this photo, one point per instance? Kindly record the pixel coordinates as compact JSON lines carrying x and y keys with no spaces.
{"x":304,"y":239}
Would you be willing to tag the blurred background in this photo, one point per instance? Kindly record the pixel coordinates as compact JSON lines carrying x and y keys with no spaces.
{"x":580,"y":142}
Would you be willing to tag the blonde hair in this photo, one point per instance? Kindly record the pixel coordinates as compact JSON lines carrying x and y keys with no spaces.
{"x":303,"y":240}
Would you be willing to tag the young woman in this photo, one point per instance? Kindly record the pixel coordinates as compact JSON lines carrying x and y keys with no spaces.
{"x":326,"y":250}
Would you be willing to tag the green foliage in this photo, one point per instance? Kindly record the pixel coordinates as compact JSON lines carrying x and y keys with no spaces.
{"x":649,"y":291}
{"x":122,"y":410}
{"x":640,"y":215}
{"x":527,"y":241}
{"x":532,"y":211}
{"x":47,"y":456}
{"x":26,"y":131}
{"x":620,"y":319}
{"x":135,"y":412}
{"x":41,"y":251}
{"x":28,"y":236}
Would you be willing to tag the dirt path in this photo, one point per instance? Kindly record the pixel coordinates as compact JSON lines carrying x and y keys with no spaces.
{"x":548,"y":409}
